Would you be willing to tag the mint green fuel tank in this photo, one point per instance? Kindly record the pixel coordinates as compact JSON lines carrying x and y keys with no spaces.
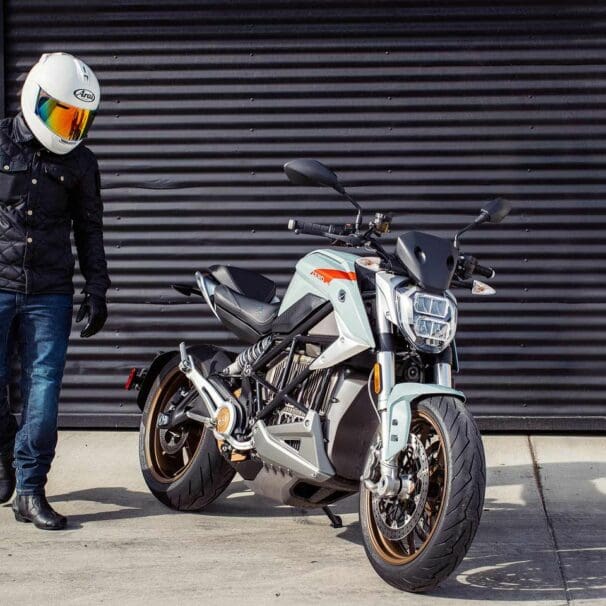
{"x":331,"y":275}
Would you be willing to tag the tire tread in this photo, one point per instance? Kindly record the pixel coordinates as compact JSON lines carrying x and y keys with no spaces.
{"x":463,"y":509}
{"x":207,"y":477}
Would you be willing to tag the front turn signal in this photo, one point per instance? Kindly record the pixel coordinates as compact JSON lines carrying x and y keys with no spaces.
{"x":377,"y":378}
{"x":482,"y":289}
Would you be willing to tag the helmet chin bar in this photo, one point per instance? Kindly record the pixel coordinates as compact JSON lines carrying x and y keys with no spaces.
{"x":50,"y":141}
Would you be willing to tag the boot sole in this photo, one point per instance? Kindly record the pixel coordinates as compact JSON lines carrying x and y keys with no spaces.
{"x":21,"y":518}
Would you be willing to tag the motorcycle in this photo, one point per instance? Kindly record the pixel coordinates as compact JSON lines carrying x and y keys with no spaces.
{"x":343,"y":386}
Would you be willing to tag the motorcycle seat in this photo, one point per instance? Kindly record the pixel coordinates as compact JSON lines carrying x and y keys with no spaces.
{"x":247,"y":317}
{"x":245,"y":282}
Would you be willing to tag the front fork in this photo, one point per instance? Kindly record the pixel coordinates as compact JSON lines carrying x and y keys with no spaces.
{"x":391,"y":483}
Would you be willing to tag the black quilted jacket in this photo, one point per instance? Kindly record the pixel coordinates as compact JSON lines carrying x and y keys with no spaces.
{"x":41,"y":195}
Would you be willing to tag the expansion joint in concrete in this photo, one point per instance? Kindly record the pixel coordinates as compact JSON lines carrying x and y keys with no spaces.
{"x":554,"y":540}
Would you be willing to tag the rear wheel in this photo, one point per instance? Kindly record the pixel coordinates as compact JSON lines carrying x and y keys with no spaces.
{"x":415,"y":543}
{"x":182,"y":466}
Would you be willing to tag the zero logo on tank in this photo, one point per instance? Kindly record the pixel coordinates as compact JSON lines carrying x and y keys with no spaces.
{"x":328,"y":275}
{"x":83,"y":94}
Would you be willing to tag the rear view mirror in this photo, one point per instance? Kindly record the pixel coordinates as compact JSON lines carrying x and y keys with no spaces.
{"x":306,"y":171}
{"x":493,"y":212}
{"x":311,"y":172}
{"x":496,"y":210}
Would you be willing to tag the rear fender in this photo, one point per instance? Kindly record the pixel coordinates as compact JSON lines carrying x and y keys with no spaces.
{"x":399,"y":412}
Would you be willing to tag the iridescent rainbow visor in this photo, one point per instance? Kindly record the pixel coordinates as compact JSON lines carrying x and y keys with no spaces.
{"x":66,"y":121}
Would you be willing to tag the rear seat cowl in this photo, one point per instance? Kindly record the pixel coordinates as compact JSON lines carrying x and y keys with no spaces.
{"x":245,"y":282}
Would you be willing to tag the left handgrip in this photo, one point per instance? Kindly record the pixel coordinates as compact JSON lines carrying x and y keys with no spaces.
{"x":312,"y":229}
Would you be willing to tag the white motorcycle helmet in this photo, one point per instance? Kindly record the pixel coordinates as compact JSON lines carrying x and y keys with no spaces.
{"x":59,"y":99}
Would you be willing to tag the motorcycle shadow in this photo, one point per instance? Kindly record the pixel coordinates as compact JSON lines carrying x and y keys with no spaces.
{"x":528,"y":575}
{"x":517,"y":572}
{"x":238,"y":500}
{"x":513,"y":556}
{"x":125,"y":504}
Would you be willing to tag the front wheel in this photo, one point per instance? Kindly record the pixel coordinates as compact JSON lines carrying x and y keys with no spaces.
{"x":415,"y":543}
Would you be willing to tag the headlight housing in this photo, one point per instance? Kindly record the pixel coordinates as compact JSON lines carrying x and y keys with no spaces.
{"x":428,"y":321}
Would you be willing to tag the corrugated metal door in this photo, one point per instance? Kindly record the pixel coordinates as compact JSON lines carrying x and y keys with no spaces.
{"x":425,"y":109}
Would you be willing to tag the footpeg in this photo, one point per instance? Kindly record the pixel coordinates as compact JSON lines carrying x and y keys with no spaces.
{"x":185,"y":365}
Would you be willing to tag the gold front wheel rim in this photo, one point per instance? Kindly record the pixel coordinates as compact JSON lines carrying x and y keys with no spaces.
{"x":399,"y":553}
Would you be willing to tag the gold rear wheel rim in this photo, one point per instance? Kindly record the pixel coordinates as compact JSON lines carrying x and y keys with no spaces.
{"x":169,"y":468}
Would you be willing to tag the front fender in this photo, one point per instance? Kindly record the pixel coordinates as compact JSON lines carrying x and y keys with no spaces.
{"x":398,"y":413}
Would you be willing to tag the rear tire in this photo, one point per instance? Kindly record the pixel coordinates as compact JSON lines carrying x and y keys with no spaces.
{"x":184,"y":469}
{"x":451,"y":511}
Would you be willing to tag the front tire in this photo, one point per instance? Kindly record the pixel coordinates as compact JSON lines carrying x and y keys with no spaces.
{"x":183,"y":468}
{"x":452,"y":456}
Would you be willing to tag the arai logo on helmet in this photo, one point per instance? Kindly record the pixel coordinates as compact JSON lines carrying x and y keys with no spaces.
{"x":83,"y":94}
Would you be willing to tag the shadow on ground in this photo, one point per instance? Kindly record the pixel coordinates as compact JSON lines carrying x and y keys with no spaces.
{"x":504,"y":563}
{"x":497,"y":577}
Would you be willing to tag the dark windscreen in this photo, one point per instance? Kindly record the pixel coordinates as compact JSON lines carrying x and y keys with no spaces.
{"x":429,"y":260}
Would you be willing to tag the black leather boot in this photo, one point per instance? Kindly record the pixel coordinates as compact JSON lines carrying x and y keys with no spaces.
{"x":35,"y":508}
{"x":7,"y":478}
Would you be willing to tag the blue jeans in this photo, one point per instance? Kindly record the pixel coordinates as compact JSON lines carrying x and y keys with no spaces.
{"x":43,"y":327}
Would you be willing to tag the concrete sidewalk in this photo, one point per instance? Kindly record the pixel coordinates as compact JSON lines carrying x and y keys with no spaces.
{"x":542,"y":539}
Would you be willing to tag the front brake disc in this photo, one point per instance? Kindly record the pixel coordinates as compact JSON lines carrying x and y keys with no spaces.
{"x":395,"y":517}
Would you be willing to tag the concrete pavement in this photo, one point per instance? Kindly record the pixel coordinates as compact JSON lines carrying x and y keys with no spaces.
{"x":542,"y":539}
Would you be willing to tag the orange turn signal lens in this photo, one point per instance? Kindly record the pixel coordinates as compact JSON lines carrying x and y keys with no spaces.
{"x":377,"y":378}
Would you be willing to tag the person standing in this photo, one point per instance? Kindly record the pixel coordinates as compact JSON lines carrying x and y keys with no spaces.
{"x":49,"y":185}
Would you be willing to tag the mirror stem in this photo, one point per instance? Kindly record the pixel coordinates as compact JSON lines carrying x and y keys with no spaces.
{"x":358,"y":207}
{"x":482,"y":218}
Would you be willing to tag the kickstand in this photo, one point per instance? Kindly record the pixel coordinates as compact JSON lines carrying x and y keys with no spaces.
{"x":335,"y":520}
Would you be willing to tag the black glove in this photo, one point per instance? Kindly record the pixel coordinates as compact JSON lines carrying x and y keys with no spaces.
{"x":95,"y":308}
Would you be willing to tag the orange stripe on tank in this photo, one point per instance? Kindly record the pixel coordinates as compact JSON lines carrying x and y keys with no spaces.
{"x":328,"y":275}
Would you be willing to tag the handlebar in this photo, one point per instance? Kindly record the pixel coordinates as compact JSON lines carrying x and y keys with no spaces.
{"x":314,"y":229}
{"x":344,"y":234}
{"x":468,"y":266}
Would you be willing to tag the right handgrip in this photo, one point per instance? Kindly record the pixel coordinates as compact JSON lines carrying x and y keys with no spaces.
{"x":486,"y":272}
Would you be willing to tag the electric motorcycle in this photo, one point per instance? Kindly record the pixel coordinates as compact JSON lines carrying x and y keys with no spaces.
{"x":343,"y":386}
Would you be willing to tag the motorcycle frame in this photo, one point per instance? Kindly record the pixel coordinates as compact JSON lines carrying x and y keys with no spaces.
{"x":212,"y":399}
{"x":394,"y":401}
{"x":289,"y":342}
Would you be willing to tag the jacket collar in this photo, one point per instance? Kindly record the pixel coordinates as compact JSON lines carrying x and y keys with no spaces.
{"x":21,"y":132}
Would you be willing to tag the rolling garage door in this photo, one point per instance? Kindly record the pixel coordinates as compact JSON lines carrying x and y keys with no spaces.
{"x":425,"y":109}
